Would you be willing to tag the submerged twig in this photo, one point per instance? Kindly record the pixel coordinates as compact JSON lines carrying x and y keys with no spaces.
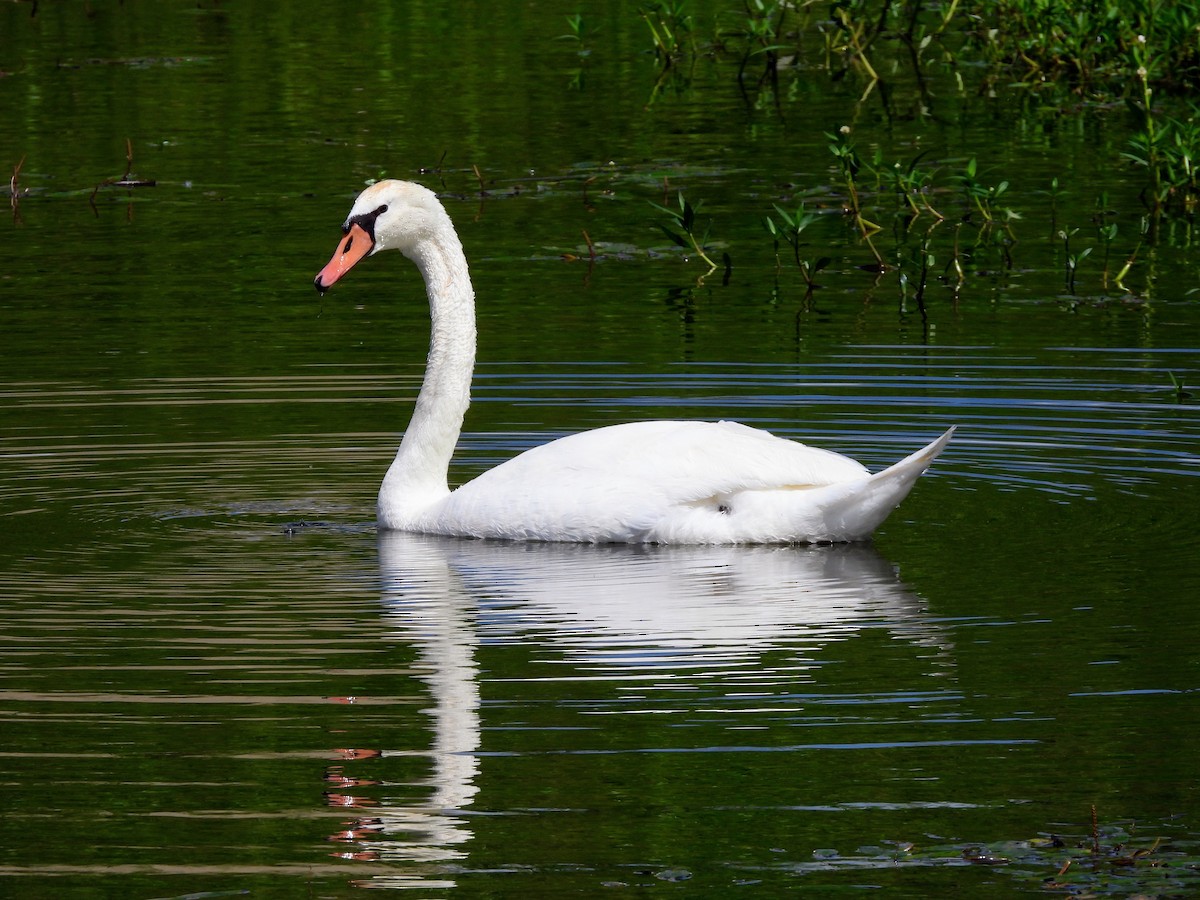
{"x":128,"y":180}
{"x":16,"y":174}
{"x":14,"y":191}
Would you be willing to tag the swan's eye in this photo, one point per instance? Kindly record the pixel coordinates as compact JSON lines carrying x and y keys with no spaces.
{"x":366,"y":221}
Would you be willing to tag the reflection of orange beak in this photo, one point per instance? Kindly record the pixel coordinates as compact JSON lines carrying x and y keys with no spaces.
{"x":354,"y":246}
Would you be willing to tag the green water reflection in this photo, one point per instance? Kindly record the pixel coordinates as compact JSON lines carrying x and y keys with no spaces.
{"x":195,"y":697}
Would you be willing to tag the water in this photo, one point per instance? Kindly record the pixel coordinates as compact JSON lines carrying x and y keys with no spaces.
{"x":218,"y":678}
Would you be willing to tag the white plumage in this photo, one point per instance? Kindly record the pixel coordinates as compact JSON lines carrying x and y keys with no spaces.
{"x":641,"y":482}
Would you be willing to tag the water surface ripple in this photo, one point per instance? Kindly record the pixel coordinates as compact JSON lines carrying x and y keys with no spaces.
{"x":206,"y":641}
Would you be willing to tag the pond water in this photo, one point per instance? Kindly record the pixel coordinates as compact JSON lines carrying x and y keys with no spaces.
{"x":217,"y":678}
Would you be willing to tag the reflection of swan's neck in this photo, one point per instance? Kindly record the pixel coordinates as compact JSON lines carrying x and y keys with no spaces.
{"x":418,"y":476}
{"x":433,"y":611}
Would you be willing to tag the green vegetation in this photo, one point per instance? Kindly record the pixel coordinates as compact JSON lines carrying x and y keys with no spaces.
{"x":581,"y":33}
{"x":1180,"y":390}
{"x":923,"y":208}
{"x":849,"y":165}
{"x":670,"y":26}
{"x":684,"y":231}
{"x":1112,"y":50}
{"x":1101,"y":54}
{"x":1106,"y":58}
{"x":791,"y":226}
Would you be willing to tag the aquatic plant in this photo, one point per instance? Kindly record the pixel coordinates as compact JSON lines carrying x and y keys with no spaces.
{"x":1167,"y":149}
{"x":857,"y":30}
{"x":1072,"y":259}
{"x":850,"y":164}
{"x":762,"y":30}
{"x":1109,"y":50}
{"x":1177,"y":384}
{"x":1095,"y":47}
{"x":581,"y":35}
{"x":581,"y":31}
{"x":1108,"y":234}
{"x":791,"y":226}
{"x":1139,"y":51}
{"x":670,"y":27}
{"x":910,"y":182}
{"x":684,"y":232}
{"x":1170,"y":152}
{"x":984,"y":196}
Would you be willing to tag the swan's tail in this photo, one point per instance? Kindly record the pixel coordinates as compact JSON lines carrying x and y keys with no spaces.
{"x":852,"y":510}
{"x":863,"y":508}
{"x":848,"y":510}
{"x":911,"y":467}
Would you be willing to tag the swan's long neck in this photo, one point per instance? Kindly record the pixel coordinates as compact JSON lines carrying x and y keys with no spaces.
{"x":418,"y":476}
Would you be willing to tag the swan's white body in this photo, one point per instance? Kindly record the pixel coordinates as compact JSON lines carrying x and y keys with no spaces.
{"x":642,"y":482}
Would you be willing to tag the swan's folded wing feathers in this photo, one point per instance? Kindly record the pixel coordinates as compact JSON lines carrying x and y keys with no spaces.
{"x":620,"y":481}
{"x":696,"y":460}
{"x":687,"y":460}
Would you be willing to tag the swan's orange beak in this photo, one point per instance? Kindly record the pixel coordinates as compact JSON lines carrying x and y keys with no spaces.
{"x":354,"y":246}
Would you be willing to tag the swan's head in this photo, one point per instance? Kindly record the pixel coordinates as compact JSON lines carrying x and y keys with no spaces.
{"x":389,"y":215}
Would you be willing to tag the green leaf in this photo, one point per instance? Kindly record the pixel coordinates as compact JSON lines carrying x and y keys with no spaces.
{"x":675,"y":237}
{"x":689,"y":215}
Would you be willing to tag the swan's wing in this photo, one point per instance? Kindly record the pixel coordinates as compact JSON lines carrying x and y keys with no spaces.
{"x":690,"y":460}
{"x":621,"y":482}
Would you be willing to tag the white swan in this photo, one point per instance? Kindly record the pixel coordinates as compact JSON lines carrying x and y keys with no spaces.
{"x":642,"y":482}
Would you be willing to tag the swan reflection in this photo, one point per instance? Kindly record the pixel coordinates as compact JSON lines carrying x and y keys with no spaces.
{"x":623,"y":614}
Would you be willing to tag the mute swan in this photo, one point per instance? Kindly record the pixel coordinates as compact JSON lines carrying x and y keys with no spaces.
{"x":641,"y":482}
